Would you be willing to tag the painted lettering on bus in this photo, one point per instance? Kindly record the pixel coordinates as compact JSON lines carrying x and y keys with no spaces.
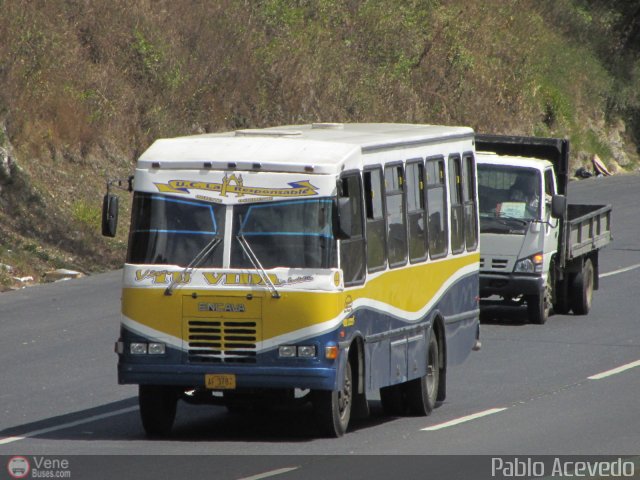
{"x":163,"y":277}
{"x":222,"y":307}
{"x":220,"y":278}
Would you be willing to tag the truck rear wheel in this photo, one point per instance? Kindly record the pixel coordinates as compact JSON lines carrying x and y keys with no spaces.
{"x":157,"y":409}
{"x":583,"y":289}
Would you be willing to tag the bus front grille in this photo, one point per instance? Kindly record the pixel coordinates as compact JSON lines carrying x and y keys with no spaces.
{"x":222,"y":341}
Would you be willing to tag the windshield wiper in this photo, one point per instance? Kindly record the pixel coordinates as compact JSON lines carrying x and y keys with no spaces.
{"x":197,"y":260}
{"x":253,"y":258}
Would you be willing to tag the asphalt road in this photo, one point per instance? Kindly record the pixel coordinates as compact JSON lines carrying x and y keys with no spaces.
{"x":527,"y":392}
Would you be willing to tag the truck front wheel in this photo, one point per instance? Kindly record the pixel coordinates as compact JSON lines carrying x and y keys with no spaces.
{"x":582,"y":288}
{"x":539,"y":306}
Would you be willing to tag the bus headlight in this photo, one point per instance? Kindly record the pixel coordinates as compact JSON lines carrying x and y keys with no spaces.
{"x":156,"y":349}
{"x":307,"y":351}
{"x":138,"y":348}
{"x":153,"y":348}
{"x":300,"y":351}
{"x":287,"y":351}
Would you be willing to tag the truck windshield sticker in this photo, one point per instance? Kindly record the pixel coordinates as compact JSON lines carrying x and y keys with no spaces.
{"x":513,"y":209}
{"x":232,"y":184}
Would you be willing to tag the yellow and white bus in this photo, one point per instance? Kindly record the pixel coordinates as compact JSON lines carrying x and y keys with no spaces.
{"x":328,"y":262}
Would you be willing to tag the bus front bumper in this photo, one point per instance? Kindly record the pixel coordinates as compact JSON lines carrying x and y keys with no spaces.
{"x":193,"y":376}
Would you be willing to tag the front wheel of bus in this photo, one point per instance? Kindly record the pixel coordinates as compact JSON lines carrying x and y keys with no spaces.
{"x":333,"y":408}
{"x":422,"y":393}
{"x":157,"y":409}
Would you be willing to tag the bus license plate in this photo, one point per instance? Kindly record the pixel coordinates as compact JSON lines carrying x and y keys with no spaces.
{"x":220,"y":381}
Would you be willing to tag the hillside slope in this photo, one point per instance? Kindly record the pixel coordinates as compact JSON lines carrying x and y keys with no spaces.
{"x":85,"y":87}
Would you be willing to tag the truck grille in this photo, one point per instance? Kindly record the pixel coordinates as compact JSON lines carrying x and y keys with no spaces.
{"x":499,"y":263}
{"x":222,"y":341}
{"x":495,"y":263}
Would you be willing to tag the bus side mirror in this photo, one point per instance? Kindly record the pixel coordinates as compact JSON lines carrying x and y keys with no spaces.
{"x":343,"y":230}
{"x":558,"y":206}
{"x":109,"y":215}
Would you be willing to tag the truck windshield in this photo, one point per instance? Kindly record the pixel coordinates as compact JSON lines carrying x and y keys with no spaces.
{"x":294,"y":234}
{"x":509,"y":196}
{"x":171,"y":231}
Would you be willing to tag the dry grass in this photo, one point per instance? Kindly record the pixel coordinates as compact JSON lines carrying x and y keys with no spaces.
{"x":86,"y":85}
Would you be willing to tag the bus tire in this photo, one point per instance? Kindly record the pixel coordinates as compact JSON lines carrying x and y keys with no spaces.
{"x":392,"y":400}
{"x":583,"y":289}
{"x":157,"y":409}
{"x":422,"y":393}
{"x":332,"y":408}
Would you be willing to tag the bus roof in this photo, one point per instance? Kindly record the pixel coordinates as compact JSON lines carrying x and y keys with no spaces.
{"x":312,"y":148}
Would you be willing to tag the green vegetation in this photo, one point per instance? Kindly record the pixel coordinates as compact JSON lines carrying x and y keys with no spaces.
{"x":85,"y":87}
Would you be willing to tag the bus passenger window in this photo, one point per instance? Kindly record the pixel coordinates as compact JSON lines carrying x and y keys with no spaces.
{"x":415,"y":211}
{"x":436,"y":204}
{"x":352,"y":260}
{"x":396,"y":221}
{"x":376,"y":244}
{"x":470,"y":210}
{"x":457,"y":208}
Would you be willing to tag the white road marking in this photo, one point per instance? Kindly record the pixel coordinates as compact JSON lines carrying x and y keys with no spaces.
{"x":4,"y":441}
{"x":615,"y":371}
{"x":622,"y":270}
{"x":460,"y":420}
{"x":271,"y":473}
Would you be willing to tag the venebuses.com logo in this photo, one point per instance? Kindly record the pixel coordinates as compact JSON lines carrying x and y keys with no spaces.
{"x":38,"y":467}
{"x":18,"y":467}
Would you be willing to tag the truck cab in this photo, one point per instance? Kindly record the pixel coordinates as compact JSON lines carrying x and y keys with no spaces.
{"x":535,"y":248}
{"x":518,"y":231}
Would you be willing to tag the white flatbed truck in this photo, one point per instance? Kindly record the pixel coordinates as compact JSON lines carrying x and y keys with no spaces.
{"x":535,"y":248}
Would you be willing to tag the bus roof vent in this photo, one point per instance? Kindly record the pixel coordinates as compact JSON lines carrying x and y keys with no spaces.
{"x":327,"y":126}
{"x":259,"y":132}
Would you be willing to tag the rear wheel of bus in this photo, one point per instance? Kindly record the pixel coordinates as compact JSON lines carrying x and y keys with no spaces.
{"x":422,"y":393}
{"x":157,"y":409}
{"x":333,"y":408}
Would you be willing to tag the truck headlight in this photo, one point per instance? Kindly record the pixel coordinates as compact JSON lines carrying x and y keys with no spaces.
{"x":532,"y":264}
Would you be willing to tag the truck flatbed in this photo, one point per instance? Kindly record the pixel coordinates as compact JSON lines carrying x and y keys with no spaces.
{"x":588,"y":229}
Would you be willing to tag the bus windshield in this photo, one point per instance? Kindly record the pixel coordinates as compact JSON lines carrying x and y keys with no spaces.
{"x":171,"y":231}
{"x":292,"y":233}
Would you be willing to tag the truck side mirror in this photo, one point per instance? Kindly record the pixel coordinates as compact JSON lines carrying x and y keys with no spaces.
{"x":343,"y":228}
{"x":109,"y":215}
{"x":558,"y":206}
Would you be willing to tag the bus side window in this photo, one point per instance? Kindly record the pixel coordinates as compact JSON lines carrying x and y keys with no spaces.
{"x":376,"y":231}
{"x":470,"y":210}
{"x":396,"y":220}
{"x":436,"y":205}
{"x":352,"y":257}
{"x":457,"y":207}
{"x":415,"y":211}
